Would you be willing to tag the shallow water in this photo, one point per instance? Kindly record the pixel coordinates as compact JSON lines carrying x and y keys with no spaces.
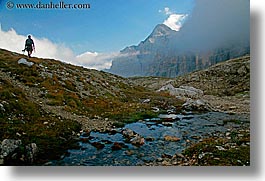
{"x":186,"y":127}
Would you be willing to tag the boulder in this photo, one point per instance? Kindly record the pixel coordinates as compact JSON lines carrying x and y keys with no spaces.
{"x":196,"y":105}
{"x":168,"y":117}
{"x":25,"y":62}
{"x":128,"y":133}
{"x":31,"y":152}
{"x":2,"y":109}
{"x":182,"y":91}
{"x":8,"y":150}
{"x":9,"y":146}
{"x":137,"y":140}
{"x":13,"y":152}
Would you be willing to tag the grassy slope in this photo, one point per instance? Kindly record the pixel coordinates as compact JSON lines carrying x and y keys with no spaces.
{"x":35,"y":100}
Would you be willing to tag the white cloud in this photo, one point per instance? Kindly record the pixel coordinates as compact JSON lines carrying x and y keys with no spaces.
{"x":166,"y":11}
{"x":175,"y":21}
{"x":12,"y":41}
{"x":94,"y":60}
{"x":99,"y":61}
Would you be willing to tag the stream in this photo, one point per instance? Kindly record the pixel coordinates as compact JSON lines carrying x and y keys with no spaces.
{"x":188,"y":129}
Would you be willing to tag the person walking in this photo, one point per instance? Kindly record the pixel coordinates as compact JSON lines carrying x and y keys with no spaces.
{"x":29,"y":46}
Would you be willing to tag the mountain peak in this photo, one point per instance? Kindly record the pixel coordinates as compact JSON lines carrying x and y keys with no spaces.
{"x":161,"y":30}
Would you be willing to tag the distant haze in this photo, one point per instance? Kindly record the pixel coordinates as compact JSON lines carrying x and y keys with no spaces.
{"x":216,"y":23}
{"x":216,"y":31}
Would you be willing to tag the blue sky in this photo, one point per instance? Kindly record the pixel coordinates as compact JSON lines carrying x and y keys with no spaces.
{"x":108,"y":26}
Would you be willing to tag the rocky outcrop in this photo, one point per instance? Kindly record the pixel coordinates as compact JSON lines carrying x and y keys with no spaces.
{"x":169,"y":53}
{"x":31,"y":153}
{"x":191,"y":95}
{"x":196,"y":105}
{"x":164,"y":54}
{"x":9,"y":149}
{"x":225,"y":86}
{"x":226,"y":78}
{"x":14,"y":152}
{"x":182,"y":91}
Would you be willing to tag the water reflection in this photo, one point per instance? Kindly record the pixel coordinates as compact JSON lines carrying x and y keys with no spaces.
{"x":188,"y":129}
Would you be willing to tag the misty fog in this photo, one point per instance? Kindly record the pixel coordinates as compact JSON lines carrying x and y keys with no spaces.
{"x":216,"y":23}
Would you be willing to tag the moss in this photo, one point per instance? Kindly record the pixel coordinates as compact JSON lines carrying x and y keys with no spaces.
{"x":140,"y":116}
{"x":235,"y":121}
{"x":207,"y":153}
{"x":24,"y":120}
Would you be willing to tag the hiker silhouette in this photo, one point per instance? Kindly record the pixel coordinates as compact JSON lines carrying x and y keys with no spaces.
{"x":29,"y":46}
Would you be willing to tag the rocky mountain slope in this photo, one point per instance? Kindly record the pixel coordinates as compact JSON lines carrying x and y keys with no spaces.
{"x":46,"y":103}
{"x":226,"y":85}
{"x":162,"y":54}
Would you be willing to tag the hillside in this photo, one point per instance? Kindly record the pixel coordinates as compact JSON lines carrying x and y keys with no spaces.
{"x":47,"y":103}
{"x":226,"y":85}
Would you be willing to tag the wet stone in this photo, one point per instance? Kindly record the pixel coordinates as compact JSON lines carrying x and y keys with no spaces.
{"x":171,"y":138}
{"x":98,"y":145}
{"x":149,"y":139}
{"x":154,"y":139}
{"x":117,"y":146}
{"x":196,"y":137}
{"x":220,"y":123}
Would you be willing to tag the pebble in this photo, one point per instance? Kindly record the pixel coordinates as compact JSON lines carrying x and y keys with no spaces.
{"x":220,"y":148}
{"x":165,"y":163}
{"x":159,"y":159}
{"x":47,"y":164}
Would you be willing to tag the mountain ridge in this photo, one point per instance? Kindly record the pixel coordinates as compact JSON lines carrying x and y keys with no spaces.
{"x":209,"y":36}
{"x":163,"y":54}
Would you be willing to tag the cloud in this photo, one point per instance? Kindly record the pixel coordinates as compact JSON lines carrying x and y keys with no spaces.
{"x":94,"y":60}
{"x":217,"y":23}
{"x":166,"y":11}
{"x":100,"y":61}
{"x":12,"y":41}
{"x":175,"y":21}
